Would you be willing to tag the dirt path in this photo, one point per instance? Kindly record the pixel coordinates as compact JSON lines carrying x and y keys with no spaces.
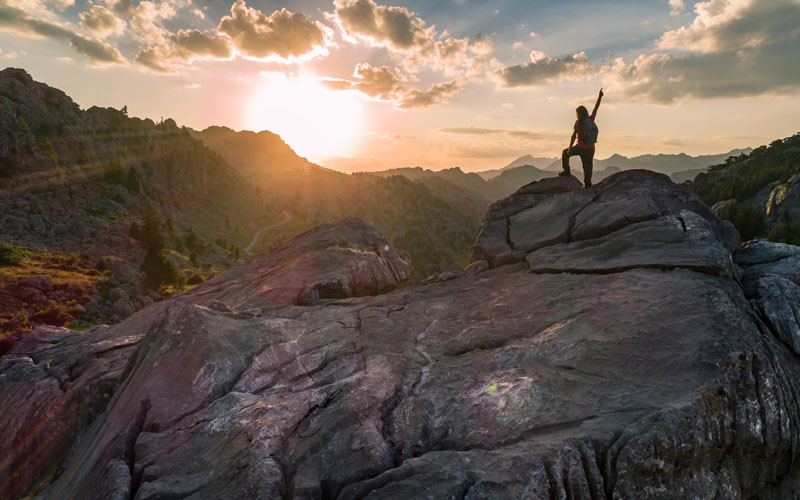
{"x":249,"y":250}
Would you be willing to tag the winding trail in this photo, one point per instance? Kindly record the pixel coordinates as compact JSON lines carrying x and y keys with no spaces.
{"x":286,"y":218}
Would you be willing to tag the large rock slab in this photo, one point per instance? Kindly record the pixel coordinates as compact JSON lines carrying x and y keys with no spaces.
{"x":499,"y":385}
{"x":669,"y":242}
{"x":52,"y":385}
{"x":524,"y":223}
{"x":632,"y":366}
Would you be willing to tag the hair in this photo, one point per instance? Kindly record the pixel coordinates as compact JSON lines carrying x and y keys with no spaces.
{"x":582,"y":113}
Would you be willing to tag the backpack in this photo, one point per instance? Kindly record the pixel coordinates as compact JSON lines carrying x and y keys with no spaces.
{"x":591,"y":132}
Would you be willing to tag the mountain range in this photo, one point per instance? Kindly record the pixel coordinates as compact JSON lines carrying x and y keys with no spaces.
{"x":498,"y":183}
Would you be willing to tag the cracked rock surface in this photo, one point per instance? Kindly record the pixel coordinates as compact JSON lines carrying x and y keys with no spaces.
{"x":616,"y":355}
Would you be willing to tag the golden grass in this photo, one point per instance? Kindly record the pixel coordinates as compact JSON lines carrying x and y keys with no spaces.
{"x":61,"y":268}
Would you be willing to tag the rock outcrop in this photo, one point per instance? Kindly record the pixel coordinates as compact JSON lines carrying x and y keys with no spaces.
{"x":609,"y":351}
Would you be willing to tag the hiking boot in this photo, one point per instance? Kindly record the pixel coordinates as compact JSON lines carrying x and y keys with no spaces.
{"x":564,"y":173}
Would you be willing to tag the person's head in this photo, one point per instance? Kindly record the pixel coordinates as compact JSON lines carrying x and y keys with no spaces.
{"x":581,"y":113}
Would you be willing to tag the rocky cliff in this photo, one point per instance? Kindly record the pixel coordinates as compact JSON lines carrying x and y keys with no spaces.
{"x":615,"y":342}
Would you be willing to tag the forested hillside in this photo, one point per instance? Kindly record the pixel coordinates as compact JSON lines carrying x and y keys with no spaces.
{"x":759,"y":192}
{"x":434,"y":222}
{"x":101,"y":213}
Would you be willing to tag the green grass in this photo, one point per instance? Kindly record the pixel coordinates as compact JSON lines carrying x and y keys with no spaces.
{"x":11,"y":255}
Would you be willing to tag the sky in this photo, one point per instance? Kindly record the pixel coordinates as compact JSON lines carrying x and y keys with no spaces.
{"x":363,"y":85}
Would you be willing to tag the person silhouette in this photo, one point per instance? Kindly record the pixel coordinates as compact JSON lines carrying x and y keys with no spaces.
{"x":585,"y":146}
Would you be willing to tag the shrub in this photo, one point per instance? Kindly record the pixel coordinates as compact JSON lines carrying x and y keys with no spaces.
{"x":48,"y":148}
{"x":159,"y":270}
{"x":786,"y":232}
{"x":102,"y":265}
{"x":6,"y":167}
{"x":190,"y":239}
{"x":747,"y":219}
{"x":10,"y":255}
{"x":135,"y":231}
{"x":195,"y":279}
{"x":132,"y":181}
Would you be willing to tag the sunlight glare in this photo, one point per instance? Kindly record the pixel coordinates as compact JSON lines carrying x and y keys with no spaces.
{"x":317,"y":122}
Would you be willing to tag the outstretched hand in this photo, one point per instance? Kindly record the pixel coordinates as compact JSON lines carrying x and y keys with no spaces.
{"x":601,"y":93}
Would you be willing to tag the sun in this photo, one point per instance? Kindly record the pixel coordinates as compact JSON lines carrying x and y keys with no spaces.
{"x":316,"y":121}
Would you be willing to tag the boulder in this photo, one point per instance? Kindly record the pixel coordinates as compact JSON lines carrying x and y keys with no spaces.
{"x":477,"y":267}
{"x":757,"y":259}
{"x":522,"y":224}
{"x":344,"y":259}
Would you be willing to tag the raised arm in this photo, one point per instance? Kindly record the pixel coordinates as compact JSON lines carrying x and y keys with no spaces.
{"x":597,"y":104}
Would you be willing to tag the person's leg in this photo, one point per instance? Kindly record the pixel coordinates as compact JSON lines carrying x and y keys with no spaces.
{"x":565,"y":156}
{"x":587,"y":159}
{"x":565,"y":162}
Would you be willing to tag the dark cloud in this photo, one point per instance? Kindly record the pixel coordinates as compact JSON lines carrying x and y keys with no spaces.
{"x":665,"y":78}
{"x":96,"y":52}
{"x":282,"y":34}
{"x":195,"y":43}
{"x":544,"y":69}
{"x":733,"y":48}
{"x":121,"y":7}
{"x":728,"y":25}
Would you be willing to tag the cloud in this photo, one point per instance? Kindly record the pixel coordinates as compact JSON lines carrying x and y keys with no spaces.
{"x":154,"y":60}
{"x":394,"y":27}
{"x":472,"y":131}
{"x":192,"y":86}
{"x":121,"y":7}
{"x":182,"y":48}
{"x":11,"y":55}
{"x":665,"y":78}
{"x":407,"y":35}
{"x":146,"y":22}
{"x":732,"y":48}
{"x":727,"y":25}
{"x":676,"y":7}
{"x":195,"y":43}
{"x":283,"y":35}
{"x":544,"y":69}
{"x":61,"y":4}
{"x":102,"y":22}
{"x":96,"y":52}
{"x":437,"y":94}
{"x":381,"y":83}
{"x":524,"y":134}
